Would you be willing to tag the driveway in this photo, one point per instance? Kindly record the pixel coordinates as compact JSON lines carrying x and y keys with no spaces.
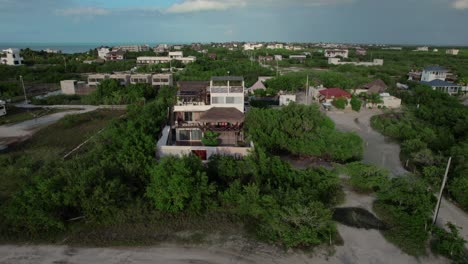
{"x":384,"y":152}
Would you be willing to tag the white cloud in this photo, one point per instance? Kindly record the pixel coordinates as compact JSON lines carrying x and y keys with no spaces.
{"x":460,"y":4}
{"x":187,"y":6}
{"x":83,"y":11}
{"x":204,"y":5}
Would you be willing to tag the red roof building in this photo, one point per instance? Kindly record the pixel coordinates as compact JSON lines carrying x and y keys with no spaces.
{"x":332,"y":93}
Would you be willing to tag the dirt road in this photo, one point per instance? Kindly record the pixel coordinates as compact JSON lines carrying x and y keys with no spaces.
{"x":384,"y":152}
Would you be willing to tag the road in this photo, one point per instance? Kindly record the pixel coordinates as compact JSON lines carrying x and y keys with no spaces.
{"x":383,"y":152}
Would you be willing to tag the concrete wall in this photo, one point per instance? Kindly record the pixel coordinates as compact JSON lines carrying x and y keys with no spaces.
{"x":67,"y":86}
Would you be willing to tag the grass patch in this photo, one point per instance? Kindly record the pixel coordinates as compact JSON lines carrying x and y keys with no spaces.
{"x":50,"y":143}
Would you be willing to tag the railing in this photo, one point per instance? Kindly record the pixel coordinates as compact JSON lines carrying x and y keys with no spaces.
{"x":225,"y":89}
{"x":181,"y":103}
{"x":188,"y":124}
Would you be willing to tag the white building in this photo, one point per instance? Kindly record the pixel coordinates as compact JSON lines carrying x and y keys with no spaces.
{"x":333,"y":53}
{"x":71,"y":87}
{"x":162,"y":79}
{"x":12,"y":57}
{"x":176,"y":54}
{"x":230,"y":94}
{"x":53,"y":51}
{"x":434,"y":73}
{"x":96,"y":79}
{"x":133,"y":48}
{"x":157,"y":60}
{"x":122,"y":78}
{"x":422,"y":49}
{"x":103,"y":52}
{"x":452,"y":51}
{"x":286,"y":99}
{"x":337,"y":61}
{"x":251,"y":46}
{"x":275,"y":46}
{"x":140,"y":78}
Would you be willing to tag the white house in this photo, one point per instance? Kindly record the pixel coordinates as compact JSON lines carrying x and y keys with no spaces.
{"x":286,"y":99}
{"x":162,"y":79}
{"x":12,"y":57}
{"x":422,"y":49}
{"x":251,"y":46}
{"x":176,"y":54}
{"x":333,"y":53}
{"x":434,"y":73}
{"x":140,"y":78}
{"x":443,"y":86}
{"x":103,"y":52}
{"x":452,"y":51}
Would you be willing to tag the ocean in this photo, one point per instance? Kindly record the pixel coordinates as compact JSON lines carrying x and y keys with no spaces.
{"x":65,"y":47}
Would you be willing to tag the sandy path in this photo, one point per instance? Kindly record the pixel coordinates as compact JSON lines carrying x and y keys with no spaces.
{"x":383,"y":152}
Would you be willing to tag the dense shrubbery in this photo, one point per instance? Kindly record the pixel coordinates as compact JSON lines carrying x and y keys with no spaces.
{"x":301,"y":130}
{"x":366,"y":178}
{"x":356,"y":104}
{"x":449,"y":243}
{"x":406,"y":205}
{"x":429,"y":135}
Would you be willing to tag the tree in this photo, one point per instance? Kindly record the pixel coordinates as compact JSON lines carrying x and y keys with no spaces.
{"x":180,"y":184}
{"x":356,"y":103}
{"x":449,"y":243}
{"x":210,"y":138}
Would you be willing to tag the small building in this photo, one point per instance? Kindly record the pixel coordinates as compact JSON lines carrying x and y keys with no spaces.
{"x":162,"y":79}
{"x":374,"y":87}
{"x":444,"y":86}
{"x":52,"y":51}
{"x":103,"y":52}
{"x":330,"y":94}
{"x":115,"y":55}
{"x":133,"y":48}
{"x":278,"y":57}
{"x":260,"y":84}
{"x":265,"y":58}
{"x":452,"y":52}
{"x":176,"y":54}
{"x":71,"y":87}
{"x":424,"y":49}
{"x":300,"y":58}
{"x":11,"y":57}
{"x":333,"y":53}
{"x":286,"y":99}
{"x":140,"y":78}
{"x":361,"y":52}
{"x":431,"y":73}
{"x":389,"y":101}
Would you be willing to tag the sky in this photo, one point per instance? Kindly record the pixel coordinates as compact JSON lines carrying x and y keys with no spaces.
{"x":424,"y":22}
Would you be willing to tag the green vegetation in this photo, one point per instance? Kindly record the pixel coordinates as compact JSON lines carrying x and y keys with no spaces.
{"x":367,"y":178}
{"x":210,"y":138}
{"x":406,"y":206}
{"x":430,"y":134}
{"x":340,"y":103}
{"x":449,"y":243}
{"x":301,"y":130}
{"x":356,"y":104}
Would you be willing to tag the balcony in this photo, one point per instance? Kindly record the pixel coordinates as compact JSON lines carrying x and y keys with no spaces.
{"x":189,"y":103}
{"x":225,"y":89}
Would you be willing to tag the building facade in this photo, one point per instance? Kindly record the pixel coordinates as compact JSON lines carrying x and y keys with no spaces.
{"x":434,"y":73}
{"x":11,"y":57}
{"x":333,"y":53}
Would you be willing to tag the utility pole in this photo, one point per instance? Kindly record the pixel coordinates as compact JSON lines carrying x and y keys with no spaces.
{"x":24,"y":89}
{"x":436,"y":213}
{"x":277,"y":68}
{"x":307,"y":90}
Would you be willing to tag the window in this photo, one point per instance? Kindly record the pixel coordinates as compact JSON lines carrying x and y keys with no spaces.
{"x":184,"y":135}
{"x":196,"y":134}
{"x":217,"y":100}
{"x":188,"y":116}
{"x":233,"y":100}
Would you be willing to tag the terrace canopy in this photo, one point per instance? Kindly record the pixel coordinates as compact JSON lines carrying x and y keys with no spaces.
{"x":222,"y":114}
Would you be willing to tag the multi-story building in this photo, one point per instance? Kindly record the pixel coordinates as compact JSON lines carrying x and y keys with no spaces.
{"x":140,"y":78}
{"x":162,"y":79}
{"x":95,"y":79}
{"x":11,"y":57}
{"x":133,"y":48}
{"x":176,"y":54}
{"x":157,"y":60}
{"x":333,"y":53}
{"x":434,"y":73}
{"x":216,"y":106}
{"x":115,"y":55}
{"x":122,"y":78}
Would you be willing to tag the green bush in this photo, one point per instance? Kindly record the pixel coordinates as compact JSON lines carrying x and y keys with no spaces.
{"x":356,"y":104}
{"x":340,"y":103}
{"x":210,"y":138}
{"x":449,"y":244}
{"x":367,"y":178}
{"x":458,"y":189}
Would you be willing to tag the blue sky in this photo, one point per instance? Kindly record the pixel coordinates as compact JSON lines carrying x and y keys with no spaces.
{"x":431,"y":22}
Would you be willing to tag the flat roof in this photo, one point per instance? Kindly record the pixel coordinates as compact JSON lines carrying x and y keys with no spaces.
{"x":227,"y":78}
